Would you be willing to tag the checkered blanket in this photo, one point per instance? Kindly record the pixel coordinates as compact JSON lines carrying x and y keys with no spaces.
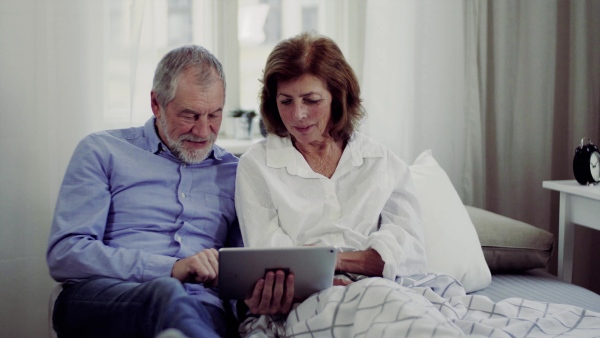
{"x":426,"y":306}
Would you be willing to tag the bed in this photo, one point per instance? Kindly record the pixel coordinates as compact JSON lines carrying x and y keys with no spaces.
{"x":485,"y":277}
{"x":541,"y":286}
{"x":517,"y":255}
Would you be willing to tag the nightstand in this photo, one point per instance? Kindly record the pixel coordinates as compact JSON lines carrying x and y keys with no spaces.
{"x":579,"y":204}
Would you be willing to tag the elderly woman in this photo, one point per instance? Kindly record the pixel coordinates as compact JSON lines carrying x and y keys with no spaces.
{"x":315,"y":180}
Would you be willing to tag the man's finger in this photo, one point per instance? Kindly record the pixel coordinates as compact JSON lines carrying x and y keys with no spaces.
{"x":206,"y":266}
{"x":213,"y":258}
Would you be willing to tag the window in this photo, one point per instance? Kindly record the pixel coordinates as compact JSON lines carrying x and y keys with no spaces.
{"x":180,"y":22}
{"x":141,"y":32}
{"x":310,"y":18}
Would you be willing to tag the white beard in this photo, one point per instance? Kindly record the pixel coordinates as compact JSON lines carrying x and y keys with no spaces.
{"x":177,"y":147}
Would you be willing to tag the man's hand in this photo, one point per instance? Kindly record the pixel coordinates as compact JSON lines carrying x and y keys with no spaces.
{"x":202,"y":267}
{"x":272,"y":295}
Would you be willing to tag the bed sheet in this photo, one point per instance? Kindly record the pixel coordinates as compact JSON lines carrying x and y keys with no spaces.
{"x":425,"y":306}
{"x":539,"y":285}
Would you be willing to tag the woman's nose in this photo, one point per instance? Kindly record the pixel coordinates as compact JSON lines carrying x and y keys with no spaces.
{"x":300,"y":111}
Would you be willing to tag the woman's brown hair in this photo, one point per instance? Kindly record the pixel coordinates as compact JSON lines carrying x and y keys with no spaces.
{"x":319,"y":56}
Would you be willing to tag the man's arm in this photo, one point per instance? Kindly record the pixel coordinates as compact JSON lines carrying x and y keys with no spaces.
{"x":76,"y":248}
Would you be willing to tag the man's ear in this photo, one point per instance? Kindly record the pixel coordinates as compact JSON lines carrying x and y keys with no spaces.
{"x":154,"y":104}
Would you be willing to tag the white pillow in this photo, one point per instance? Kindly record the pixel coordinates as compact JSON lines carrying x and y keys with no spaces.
{"x":451,"y":242}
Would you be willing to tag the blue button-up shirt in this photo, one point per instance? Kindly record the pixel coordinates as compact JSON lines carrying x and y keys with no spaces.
{"x":128,"y":208}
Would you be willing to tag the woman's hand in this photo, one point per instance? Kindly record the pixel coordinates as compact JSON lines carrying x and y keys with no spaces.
{"x":273,"y":294}
{"x":367,"y":262}
{"x":342,"y":282}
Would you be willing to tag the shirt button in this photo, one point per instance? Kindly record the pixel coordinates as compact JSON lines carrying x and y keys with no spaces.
{"x":183,"y":195}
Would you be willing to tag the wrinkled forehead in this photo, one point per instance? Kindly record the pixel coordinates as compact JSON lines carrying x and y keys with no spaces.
{"x":205,"y":80}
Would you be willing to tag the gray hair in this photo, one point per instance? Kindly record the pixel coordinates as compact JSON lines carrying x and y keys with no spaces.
{"x":175,"y":62}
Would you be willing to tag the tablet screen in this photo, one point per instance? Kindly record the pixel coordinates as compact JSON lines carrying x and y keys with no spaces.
{"x":240,"y":268}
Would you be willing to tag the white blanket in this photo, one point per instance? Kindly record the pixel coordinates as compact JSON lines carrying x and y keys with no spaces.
{"x":427,"y":306}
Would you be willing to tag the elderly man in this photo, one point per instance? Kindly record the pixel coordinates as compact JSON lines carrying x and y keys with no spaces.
{"x":142,"y":212}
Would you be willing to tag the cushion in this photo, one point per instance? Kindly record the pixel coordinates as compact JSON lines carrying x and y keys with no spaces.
{"x":509,"y":244}
{"x":451,"y":243}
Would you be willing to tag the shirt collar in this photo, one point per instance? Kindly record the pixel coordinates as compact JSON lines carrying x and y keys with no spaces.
{"x":361,"y":147}
{"x":153,"y":142}
{"x":280,"y":151}
{"x":155,"y":145}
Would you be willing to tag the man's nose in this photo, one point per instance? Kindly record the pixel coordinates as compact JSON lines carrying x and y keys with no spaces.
{"x":201,"y":128}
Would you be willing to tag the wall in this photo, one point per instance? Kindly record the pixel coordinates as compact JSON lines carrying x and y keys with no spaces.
{"x":42,"y":119}
{"x":26,"y":207}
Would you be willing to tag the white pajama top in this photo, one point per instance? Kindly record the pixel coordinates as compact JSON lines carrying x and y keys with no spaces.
{"x":369,"y":202}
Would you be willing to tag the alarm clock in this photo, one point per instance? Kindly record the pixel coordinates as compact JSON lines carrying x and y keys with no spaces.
{"x":586,"y":163}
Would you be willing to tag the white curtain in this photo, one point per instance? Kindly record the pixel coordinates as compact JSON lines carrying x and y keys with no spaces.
{"x":55,"y":57}
{"x":414,"y":84}
{"x":501,"y":91}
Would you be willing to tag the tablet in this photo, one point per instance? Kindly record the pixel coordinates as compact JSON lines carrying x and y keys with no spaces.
{"x":240,"y":268}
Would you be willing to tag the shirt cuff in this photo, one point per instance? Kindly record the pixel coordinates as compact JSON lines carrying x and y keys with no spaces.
{"x":389,"y":267}
{"x":158,"y":266}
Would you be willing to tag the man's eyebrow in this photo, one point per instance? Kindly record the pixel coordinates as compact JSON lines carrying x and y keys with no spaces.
{"x":191,"y":111}
{"x":188,"y":111}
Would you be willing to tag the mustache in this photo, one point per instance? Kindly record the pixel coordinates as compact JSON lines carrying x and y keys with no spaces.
{"x":193,"y":138}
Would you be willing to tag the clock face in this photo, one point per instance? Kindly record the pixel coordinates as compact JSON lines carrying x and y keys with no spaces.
{"x":595,"y":166}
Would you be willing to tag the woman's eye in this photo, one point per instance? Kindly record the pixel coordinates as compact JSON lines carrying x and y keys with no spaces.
{"x":311,"y":102}
{"x":285,"y":102}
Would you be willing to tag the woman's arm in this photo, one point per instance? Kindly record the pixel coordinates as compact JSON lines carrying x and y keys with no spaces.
{"x":367,"y":262}
{"x":258,"y":218}
{"x":399,"y":239}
